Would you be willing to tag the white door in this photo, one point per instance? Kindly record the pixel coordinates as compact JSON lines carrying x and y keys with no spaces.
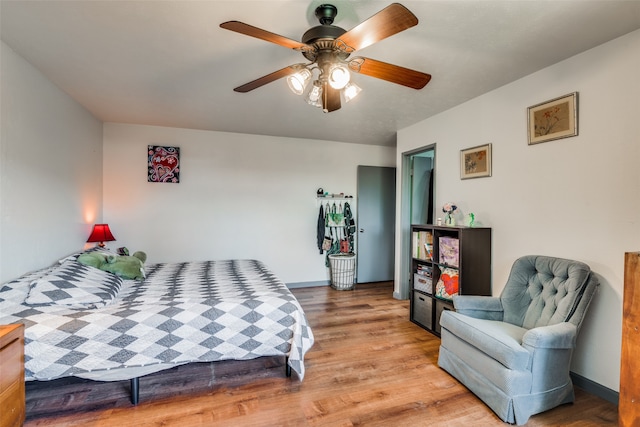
{"x":376,"y":216}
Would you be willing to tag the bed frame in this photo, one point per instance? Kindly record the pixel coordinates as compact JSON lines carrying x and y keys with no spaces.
{"x":135,"y":383}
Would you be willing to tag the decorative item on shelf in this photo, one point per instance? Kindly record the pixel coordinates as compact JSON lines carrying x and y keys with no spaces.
{"x":321,"y":194}
{"x":472,"y":219}
{"x":101,"y":233}
{"x":449,"y":208}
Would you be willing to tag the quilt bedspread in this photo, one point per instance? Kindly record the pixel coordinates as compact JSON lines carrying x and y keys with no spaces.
{"x":181,"y":313}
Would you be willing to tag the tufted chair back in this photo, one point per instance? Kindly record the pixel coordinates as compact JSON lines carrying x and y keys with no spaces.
{"x":544,"y":291}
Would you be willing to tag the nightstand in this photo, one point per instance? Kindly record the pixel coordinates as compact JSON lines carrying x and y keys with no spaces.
{"x":12,"y":397}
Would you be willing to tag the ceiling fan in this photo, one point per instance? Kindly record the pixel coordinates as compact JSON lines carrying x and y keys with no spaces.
{"x":328,"y":48}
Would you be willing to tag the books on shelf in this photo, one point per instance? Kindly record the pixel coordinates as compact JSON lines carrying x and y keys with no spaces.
{"x":423,"y":245}
{"x":449,"y":250}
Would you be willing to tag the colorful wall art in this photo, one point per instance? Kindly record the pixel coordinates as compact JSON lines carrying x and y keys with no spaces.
{"x":163,"y":164}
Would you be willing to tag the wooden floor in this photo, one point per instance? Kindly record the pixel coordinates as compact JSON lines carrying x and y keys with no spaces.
{"x":369,"y":366}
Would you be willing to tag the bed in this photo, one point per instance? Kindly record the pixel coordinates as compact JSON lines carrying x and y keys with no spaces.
{"x":81,"y":321}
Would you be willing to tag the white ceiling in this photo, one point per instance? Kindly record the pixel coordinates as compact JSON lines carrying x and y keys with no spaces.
{"x":168,"y":63}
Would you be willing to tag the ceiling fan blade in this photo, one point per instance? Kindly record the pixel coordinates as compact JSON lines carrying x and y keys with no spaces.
{"x":266,"y":79}
{"x":389,"y":72}
{"x":330,"y":98}
{"x":389,"y":21}
{"x":250,"y":30}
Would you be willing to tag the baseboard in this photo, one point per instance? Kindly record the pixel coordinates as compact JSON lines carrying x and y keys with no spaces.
{"x":594,"y":388}
{"x":295,"y":285}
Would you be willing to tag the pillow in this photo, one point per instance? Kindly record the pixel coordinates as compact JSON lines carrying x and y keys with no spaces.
{"x":447,"y":285}
{"x":75,"y":285}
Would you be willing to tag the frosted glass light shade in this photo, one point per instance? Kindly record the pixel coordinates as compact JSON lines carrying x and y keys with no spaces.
{"x":339,"y":76}
{"x":350,"y":91}
{"x":298,"y":81}
{"x":314,"y":97}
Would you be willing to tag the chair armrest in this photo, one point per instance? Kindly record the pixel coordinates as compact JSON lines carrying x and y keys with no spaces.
{"x":480,"y":307}
{"x":560,"y":335}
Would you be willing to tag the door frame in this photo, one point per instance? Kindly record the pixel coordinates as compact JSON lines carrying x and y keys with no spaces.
{"x":405,"y":218}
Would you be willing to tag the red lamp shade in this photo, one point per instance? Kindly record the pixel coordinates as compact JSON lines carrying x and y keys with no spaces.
{"x":101,"y":233}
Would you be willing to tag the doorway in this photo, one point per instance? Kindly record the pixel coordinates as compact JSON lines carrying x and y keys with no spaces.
{"x":416,"y":205}
{"x":422,"y":187}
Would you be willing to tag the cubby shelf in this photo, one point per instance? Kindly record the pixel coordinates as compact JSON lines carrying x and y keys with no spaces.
{"x":436,"y":250}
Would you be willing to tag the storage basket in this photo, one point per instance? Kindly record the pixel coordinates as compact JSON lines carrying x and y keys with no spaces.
{"x":343,"y":271}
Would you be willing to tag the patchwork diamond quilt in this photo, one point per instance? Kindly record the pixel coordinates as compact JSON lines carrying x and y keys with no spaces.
{"x":182,"y":312}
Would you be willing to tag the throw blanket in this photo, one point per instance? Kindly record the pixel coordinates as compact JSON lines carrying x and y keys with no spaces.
{"x":181,"y":313}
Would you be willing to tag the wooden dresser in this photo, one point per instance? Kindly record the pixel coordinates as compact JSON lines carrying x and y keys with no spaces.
{"x":629,"y":402}
{"x":12,"y":398}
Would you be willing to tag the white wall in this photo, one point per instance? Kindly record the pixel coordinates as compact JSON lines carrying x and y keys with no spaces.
{"x":50,"y":170}
{"x":239,"y":196}
{"x":575,"y":198}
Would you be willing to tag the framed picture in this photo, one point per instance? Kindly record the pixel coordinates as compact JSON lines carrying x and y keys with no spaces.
{"x":163,"y":164}
{"x":554,"y":119}
{"x":475,"y":162}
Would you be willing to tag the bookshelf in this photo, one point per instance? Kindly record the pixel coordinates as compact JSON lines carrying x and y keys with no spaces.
{"x":446,"y":261}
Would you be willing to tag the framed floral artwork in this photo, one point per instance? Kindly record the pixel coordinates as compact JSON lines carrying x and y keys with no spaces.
{"x":554,"y":119}
{"x":163,"y":164}
{"x":475,"y":162}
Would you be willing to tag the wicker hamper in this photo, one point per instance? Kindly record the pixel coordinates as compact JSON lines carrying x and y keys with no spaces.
{"x":343,"y":271}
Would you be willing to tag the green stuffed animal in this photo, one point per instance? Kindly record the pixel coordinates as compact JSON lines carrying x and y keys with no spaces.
{"x":126,"y":266}
{"x":93,"y":259}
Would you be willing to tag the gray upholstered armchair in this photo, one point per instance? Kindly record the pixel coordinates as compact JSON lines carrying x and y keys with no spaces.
{"x":514,"y":351}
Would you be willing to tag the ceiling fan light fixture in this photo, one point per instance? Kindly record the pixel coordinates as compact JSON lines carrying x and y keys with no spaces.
{"x":327,"y":48}
{"x":339,"y":76}
{"x":298,"y":81}
{"x":350,"y":91}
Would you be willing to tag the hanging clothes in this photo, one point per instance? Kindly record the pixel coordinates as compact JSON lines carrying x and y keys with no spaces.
{"x":335,"y":216}
{"x":335,"y":245}
{"x":350,"y":227}
{"x":328,"y":241}
{"x":320,"y":229}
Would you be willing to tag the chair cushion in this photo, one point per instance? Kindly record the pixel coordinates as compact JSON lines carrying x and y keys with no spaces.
{"x":543,"y":290}
{"x":500,"y":340}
